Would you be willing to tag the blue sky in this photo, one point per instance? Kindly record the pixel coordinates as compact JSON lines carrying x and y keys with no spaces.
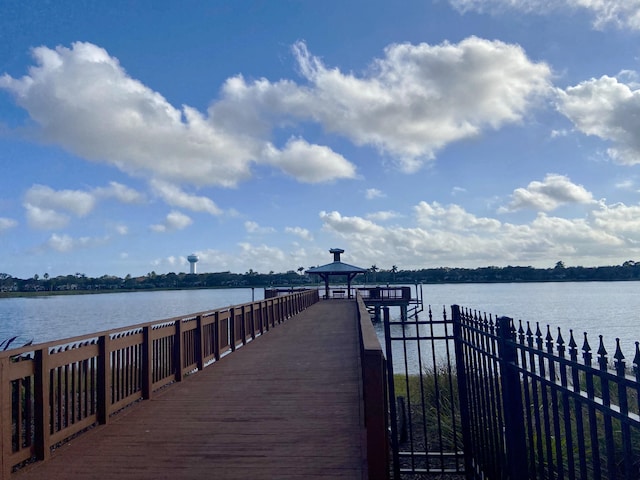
{"x":258,"y":135}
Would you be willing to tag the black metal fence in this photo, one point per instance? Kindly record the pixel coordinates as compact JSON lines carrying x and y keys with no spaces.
{"x":426,"y":430}
{"x":539,"y":406}
{"x":517,"y":402}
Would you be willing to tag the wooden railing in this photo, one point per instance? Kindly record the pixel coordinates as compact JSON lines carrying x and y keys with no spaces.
{"x":53,"y":391}
{"x":374,"y":395}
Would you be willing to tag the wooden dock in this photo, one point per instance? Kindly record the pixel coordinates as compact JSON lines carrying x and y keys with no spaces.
{"x":285,"y":405}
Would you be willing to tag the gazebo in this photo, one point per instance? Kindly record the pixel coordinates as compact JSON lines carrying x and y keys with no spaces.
{"x":336,"y":269}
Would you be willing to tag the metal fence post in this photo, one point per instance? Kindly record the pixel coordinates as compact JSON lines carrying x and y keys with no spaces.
{"x":461,"y":374}
{"x":392,"y":395}
{"x":514,"y":432}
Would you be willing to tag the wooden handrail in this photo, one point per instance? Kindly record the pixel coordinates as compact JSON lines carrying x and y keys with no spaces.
{"x":52,"y":391}
{"x":374,"y":393}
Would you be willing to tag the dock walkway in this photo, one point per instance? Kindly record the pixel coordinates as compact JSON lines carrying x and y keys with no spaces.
{"x":286,"y":405}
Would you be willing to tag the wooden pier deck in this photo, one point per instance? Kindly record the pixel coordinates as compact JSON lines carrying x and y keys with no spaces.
{"x":286,"y":405}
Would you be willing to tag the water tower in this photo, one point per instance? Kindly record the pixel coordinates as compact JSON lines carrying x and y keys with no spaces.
{"x":193,"y":259}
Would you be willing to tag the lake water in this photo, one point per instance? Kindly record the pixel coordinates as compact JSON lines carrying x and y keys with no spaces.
{"x":57,"y":317}
{"x":611,"y":309}
{"x":608,"y":308}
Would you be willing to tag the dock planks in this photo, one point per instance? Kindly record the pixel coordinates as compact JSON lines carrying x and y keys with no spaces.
{"x":285,"y":406}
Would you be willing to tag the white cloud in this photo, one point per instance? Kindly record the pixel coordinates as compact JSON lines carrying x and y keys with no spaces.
{"x":60,"y":243}
{"x":6,"y":224}
{"x":609,"y":109}
{"x":372,"y":193}
{"x":175,"y":197}
{"x":66,"y":243}
{"x":78,"y":202}
{"x":452,"y":217}
{"x":619,"y":219}
{"x":174,"y":221}
{"x":413,"y":101}
{"x":120,"y":192}
{"x":382,"y":216}
{"x":299,"y":232}
{"x":419,"y":98}
{"x":619,"y":13}
{"x":82,"y":99}
{"x":49,"y":209}
{"x":309,"y":163}
{"x":45,"y":218}
{"x":262,"y":258}
{"x":555,"y":190}
{"x":451,"y":236}
{"x":253,"y":227}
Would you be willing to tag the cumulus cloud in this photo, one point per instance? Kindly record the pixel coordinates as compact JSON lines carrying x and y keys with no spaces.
{"x":372,"y":193}
{"x":49,"y":209}
{"x":84,"y":100}
{"x":411,"y":103}
{"x":66,"y":243}
{"x":45,"y":218}
{"x":419,"y":98}
{"x":299,"y":232}
{"x":382,"y":216}
{"x":6,"y":224}
{"x":452,"y":217}
{"x":176,"y":197}
{"x":451,"y":236}
{"x":174,"y":221}
{"x":555,"y":190}
{"x":609,"y":109}
{"x":309,"y":163}
{"x":618,"y":13}
{"x":254,"y":227}
{"x":120,"y":192}
{"x":78,"y":202}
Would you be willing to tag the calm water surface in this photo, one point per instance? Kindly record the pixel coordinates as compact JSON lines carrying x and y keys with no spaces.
{"x":608,"y":308}
{"x":611,"y":309}
{"x":62,"y":316}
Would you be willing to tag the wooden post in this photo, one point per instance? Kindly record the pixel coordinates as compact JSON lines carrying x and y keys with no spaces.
{"x":216,"y":336}
{"x":232,"y":328}
{"x":375,"y":394}
{"x":147,"y":363}
{"x":178,"y":349}
{"x":41,"y":397}
{"x":243,"y":330}
{"x":104,"y":379}
{"x":5,"y":417}
{"x":199,"y":343}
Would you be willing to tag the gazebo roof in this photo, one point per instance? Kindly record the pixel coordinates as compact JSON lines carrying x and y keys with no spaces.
{"x":336,"y":267}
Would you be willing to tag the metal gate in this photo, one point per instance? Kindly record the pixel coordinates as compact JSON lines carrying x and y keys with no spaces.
{"x":426,"y":430}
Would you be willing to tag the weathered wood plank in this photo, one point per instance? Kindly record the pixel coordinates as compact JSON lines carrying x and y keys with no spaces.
{"x":286,"y":405}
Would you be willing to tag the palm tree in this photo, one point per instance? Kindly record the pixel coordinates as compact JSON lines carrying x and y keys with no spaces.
{"x":394,"y":270}
{"x":374,"y":268}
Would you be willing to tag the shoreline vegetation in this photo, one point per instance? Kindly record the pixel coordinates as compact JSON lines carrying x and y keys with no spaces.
{"x":79,"y":283}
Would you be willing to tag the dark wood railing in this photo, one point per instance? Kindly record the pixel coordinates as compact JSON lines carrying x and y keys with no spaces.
{"x":374,"y":394}
{"x":53,"y":391}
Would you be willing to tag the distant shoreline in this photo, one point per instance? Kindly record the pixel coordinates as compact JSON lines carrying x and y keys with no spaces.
{"x":47,"y":293}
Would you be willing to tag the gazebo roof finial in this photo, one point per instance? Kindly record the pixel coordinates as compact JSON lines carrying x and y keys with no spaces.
{"x":336,"y":253}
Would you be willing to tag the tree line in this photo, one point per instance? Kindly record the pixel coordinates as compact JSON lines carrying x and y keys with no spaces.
{"x":629,"y":270}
